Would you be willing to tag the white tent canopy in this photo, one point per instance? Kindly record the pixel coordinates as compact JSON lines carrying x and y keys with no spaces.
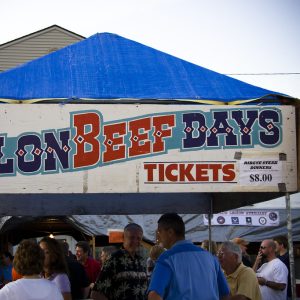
{"x":196,"y":231}
{"x":195,"y":228}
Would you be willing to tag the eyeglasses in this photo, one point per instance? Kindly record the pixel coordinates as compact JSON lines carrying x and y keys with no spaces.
{"x":262,"y":247}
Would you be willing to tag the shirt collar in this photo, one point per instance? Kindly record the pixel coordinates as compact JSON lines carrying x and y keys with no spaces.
{"x":237,"y":271}
{"x":182,"y":242}
{"x":136,"y":254}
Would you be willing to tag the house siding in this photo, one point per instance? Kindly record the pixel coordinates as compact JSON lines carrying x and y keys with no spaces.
{"x":33,"y":46}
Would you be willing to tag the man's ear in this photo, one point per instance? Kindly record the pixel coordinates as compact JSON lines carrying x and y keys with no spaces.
{"x":171,"y":231}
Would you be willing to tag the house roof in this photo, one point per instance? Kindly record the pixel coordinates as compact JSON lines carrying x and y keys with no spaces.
{"x":39,"y":32}
{"x":110,"y":67}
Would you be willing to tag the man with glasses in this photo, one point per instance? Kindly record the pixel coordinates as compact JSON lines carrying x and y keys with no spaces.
{"x":241,"y":279}
{"x":272,"y":275}
{"x":184,"y":271}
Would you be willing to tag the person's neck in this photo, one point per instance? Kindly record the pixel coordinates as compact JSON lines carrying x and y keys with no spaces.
{"x":132,"y":253}
{"x":174,"y":241}
{"x":179,"y":239}
{"x":84,"y":260}
{"x":231,"y":269}
{"x":271,"y":257}
{"x":282,"y":252}
{"x":34,"y":276}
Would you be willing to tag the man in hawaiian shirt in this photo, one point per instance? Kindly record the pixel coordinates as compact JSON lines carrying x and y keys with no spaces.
{"x":124,"y":276}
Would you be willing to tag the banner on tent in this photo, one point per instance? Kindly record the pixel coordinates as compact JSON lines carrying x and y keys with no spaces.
{"x":146,"y":148}
{"x":245,"y":218}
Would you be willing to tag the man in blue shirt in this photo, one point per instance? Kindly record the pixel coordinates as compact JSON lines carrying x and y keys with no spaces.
{"x":185,"y":271}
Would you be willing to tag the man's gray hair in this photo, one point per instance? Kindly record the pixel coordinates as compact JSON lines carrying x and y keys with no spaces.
{"x":233,"y":248}
{"x":133,"y":226}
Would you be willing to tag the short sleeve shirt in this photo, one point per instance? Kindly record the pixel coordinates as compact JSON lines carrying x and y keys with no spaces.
{"x":188,"y":272}
{"x":62,"y":281}
{"x":123,"y":277}
{"x":30,"y":289}
{"x":274,"y":270}
{"x":92,"y":268}
{"x":243,"y":281}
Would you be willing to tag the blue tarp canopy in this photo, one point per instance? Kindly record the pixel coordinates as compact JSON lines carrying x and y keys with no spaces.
{"x":109,"y":67}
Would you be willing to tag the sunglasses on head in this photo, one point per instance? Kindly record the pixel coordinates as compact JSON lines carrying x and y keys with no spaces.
{"x":262,"y":247}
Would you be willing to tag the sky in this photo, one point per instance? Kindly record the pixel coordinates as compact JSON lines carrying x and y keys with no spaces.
{"x":226,"y":36}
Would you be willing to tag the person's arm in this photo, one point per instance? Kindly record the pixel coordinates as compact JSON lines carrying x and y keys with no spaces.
{"x":160,"y":281}
{"x":97,"y":296}
{"x":99,"y":290}
{"x":67,"y":296}
{"x":154,"y":296}
{"x":271,"y":284}
{"x":236,"y":297}
{"x":64,"y":285}
{"x":223,"y":287}
{"x":225,"y":298}
{"x":257,"y":261}
{"x":84,"y":281}
{"x":85,"y":292}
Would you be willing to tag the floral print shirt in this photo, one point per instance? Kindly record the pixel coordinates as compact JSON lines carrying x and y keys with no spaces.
{"x":123,"y":277}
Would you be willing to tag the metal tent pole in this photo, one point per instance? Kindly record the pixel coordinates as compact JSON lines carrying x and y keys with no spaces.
{"x":209,"y":224}
{"x":94,"y":246}
{"x":291,"y":247}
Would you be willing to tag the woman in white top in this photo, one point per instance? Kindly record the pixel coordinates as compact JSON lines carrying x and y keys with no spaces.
{"x":55,"y":266}
{"x":28,"y":262}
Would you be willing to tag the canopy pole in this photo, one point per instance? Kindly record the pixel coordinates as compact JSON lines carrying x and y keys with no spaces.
{"x":290,"y":242}
{"x":94,"y":246}
{"x":209,"y":224}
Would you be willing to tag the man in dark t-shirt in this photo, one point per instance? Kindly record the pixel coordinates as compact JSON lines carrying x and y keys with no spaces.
{"x":283,"y":254}
{"x":77,"y":276}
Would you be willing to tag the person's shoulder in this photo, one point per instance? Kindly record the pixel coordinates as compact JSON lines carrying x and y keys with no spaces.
{"x":45,"y":282}
{"x":284,"y":258}
{"x":186,"y":245}
{"x":51,"y":287}
{"x":62,"y":275}
{"x":245,"y":270}
{"x":118,"y":253}
{"x":6,"y":290}
{"x":278,"y":263}
{"x":10,"y":285}
{"x":181,"y":248}
{"x":93,"y":261}
{"x":74,"y":264}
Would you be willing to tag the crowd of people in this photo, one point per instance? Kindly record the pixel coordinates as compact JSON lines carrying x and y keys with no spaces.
{"x":175,"y":269}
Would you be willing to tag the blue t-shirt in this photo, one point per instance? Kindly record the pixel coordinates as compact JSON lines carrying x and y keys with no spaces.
{"x":187,"y":272}
{"x":6,"y":272}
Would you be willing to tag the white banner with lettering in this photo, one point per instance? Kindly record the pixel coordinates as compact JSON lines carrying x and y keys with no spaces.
{"x":254,"y":172}
{"x":94,"y":148}
{"x":245,"y":218}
